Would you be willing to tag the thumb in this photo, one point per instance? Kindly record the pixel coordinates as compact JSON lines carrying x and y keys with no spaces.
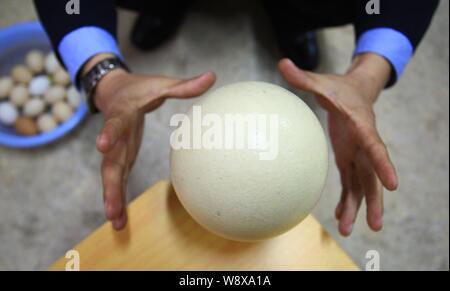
{"x":315,"y":84}
{"x":191,"y":87}
{"x":298,"y":78}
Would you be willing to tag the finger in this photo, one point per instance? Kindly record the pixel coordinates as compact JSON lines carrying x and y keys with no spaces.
{"x":192,"y":87}
{"x":344,"y":193}
{"x":373,"y":192}
{"x":378,"y":155}
{"x":374,"y":201}
{"x":113,"y":171}
{"x":114,"y":128}
{"x":339,"y":206}
{"x":121,"y":222}
{"x":136,"y":142}
{"x":351,"y":205}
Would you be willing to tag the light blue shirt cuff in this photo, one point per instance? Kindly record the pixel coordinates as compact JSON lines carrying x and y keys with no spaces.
{"x":390,"y":44}
{"x":77,"y":47}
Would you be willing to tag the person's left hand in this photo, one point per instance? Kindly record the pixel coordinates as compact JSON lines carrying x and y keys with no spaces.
{"x":361,"y":156}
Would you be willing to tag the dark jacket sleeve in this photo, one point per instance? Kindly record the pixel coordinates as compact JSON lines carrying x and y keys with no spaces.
{"x":411,"y":17}
{"x":58,"y":23}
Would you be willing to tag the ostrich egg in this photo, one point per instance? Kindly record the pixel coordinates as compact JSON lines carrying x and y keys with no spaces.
{"x":248,"y":161}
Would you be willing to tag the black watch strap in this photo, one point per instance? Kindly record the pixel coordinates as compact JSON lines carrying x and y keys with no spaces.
{"x":90,"y":81}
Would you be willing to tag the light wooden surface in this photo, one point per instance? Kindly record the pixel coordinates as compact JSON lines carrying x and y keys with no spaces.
{"x":161,"y":236}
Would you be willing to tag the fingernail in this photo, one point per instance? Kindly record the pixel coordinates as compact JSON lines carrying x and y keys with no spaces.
{"x":101,"y":141}
{"x":110,"y":211}
{"x":104,"y":141}
{"x":350,"y":229}
{"x":107,"y":211}
{"x":116,"y":224}
{"x":380,"y":222}
{"x":119,"y":223}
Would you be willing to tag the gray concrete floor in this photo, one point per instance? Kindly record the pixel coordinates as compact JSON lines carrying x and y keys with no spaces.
{"x":50,"y":198}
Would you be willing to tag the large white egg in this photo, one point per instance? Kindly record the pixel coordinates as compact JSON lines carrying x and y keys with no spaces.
{"x":259,"y":190}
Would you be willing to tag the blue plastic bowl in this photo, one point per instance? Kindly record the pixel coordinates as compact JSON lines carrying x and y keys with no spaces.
{"x":15,"y":42}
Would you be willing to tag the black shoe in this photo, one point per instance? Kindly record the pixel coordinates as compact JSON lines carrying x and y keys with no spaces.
{"x":152,"y":30}
{"x":295,"y":39}
{"x":302,"y":49}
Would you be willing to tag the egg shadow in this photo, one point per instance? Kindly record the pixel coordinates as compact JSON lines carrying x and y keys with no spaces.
{"x":195,"y":236}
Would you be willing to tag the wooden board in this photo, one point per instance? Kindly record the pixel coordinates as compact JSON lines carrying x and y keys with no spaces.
{"x":162,"y":236}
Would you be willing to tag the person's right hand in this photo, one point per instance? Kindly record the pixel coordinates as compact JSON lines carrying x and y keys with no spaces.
{"x":124,"y":99}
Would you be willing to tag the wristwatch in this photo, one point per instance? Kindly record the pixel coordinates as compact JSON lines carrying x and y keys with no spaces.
{"x":90,"y":81}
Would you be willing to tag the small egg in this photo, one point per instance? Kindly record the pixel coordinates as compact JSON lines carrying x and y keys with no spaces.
{"x":33,"y":107}
{"x":19,"y":95}
{"x":8,"y":113}
{"x":55,"y":94}
{"x":46,"y":123}
{"x":62,"y":111}
{"x":73,"y":97}
{"x":61,"y":77}
{"x":26,"y":126}
{"x":21,"y":74}
{"x":51,"y":63}
{"x":35,"y":61}
{"x":6,"y":85}
{"x":39,"y":85}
